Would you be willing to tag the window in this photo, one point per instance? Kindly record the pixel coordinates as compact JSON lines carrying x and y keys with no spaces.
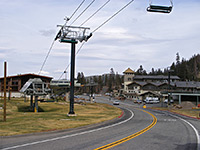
{"x":14,"y":82}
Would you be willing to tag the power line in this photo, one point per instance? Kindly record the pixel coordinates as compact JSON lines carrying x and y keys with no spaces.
{"x":112,"y":16}
{"x":82,"y":12}
{"x":95,"y":12}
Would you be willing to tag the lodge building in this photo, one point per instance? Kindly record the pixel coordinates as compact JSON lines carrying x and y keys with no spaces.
{"x":142,"y":86}
{"x":15,"y":83}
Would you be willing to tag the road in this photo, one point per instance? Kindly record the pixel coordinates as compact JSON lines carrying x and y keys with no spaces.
{"x":138,"y":129}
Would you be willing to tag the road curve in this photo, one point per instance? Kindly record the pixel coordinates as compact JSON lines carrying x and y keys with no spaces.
{"x":169,"y":132}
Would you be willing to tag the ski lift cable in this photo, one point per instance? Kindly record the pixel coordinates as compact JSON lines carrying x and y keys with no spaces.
{"x":77,"y":9}
{"x":70,"y":62}
{"x":82,"y":12}
{"x":46,"y":56}
{"x":171,"y":2}
{"x":95,"y":12}
{"x":56,"y":37}
{"x":98,"y":29}
{"x":112,"y":16}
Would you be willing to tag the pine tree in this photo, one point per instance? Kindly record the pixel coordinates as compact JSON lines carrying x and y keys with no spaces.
{"x":177,"y":58}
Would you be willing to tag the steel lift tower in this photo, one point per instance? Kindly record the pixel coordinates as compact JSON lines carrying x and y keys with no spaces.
{"x":72,"y":34}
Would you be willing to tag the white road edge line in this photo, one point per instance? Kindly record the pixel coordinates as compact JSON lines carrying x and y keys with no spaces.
{"x":72,"y":135}
{"x":195,"y":130}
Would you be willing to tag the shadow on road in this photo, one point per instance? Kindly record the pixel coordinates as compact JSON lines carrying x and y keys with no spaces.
{"x":188,"y":146}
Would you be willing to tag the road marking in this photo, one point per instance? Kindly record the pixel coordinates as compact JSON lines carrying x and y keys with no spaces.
{"x":195,"y":130}
{"x":170,"y":120}
{"x":131,"y":136}
{"x":72,"y":135}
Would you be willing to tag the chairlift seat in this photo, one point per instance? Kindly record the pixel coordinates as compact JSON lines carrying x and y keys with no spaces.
{"x":161,"y":9}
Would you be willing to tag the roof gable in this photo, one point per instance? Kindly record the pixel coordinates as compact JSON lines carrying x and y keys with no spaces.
{"x":128,"y":71}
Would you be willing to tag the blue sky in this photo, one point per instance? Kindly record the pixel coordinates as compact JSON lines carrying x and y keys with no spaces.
{"x":134,"y":37}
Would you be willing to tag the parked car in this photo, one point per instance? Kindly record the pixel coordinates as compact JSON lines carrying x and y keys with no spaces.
{"x":115,"y":102}
{"x":166,"y":101}
{"x":108,"y":94}
{"x":151,"y":100}
{"x":139,"y":101}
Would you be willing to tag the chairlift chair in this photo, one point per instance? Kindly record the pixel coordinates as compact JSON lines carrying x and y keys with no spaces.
{"x":160,"y":9}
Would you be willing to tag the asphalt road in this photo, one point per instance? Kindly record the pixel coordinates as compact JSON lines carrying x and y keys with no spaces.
{"x":170,"y":132}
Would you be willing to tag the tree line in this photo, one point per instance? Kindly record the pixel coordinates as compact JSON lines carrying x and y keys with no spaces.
{"x":106,"y":82}
{"x":186,"y":70}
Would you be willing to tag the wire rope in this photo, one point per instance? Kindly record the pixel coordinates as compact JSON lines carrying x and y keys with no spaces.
{"x":112,"y":16}
{"x":98,"y":29}
{"x":46,"y":56}
{"x":77,"y":9}
{"x":56,"y":37}
{"x":70,"y":62}
{"x":95,"y":12}
{"x":82,"y":12}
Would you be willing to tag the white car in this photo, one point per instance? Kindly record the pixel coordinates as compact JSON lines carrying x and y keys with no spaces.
{"x":115,"y":102}
{"x":166,"y":101}
{"x":151,"y":100}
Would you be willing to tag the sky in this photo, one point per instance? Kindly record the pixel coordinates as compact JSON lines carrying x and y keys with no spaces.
{"x":132,"y":38}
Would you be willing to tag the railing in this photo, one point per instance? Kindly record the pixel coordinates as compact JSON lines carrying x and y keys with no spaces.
{"x":180,"y":91}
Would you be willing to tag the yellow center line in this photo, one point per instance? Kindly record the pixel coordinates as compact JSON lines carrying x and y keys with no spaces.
{"x":131,"y":136}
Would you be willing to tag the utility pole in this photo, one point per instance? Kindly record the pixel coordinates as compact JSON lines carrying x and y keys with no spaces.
{"x":4,"y":112}
{"x":72,"y":34}
{"x":169,"y":93}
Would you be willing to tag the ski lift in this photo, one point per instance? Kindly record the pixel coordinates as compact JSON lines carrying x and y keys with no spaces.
{"x":73,"y":32}
{"x":160,"y":9}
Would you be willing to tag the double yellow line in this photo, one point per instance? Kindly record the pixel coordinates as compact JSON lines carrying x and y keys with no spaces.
{"x":131,"y":136}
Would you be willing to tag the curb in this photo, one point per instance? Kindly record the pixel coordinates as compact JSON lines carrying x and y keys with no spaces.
{"x":121,"y":114}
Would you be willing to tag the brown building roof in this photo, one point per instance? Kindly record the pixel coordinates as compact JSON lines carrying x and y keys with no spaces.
{"x":128,"y":71}
{"x":28,"y":74}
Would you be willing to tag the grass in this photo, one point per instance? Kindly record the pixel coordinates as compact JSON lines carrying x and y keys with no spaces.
{"x":52,"y":116}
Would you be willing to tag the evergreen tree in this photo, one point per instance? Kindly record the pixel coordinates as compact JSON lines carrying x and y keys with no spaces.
{"x":141,"y":71}
{"x":177,"y":58}
{"x":152,"y":71}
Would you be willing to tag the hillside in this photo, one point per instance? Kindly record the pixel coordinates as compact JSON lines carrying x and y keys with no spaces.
{"x":187,"y":69}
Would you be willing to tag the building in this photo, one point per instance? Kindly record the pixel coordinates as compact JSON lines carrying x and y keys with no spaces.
{"x":128,"y":78}
{"x":15,"y":83}
{"x":62,"y":86}
{"x":142,"y":86}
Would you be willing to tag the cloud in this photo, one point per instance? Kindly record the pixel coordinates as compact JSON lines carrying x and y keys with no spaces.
{"x":44,"y":72}
{"x":134,"y":37}
{"x":48,"y":33}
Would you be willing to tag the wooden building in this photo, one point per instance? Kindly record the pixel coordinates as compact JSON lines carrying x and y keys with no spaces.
{"x":15,"y":83}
